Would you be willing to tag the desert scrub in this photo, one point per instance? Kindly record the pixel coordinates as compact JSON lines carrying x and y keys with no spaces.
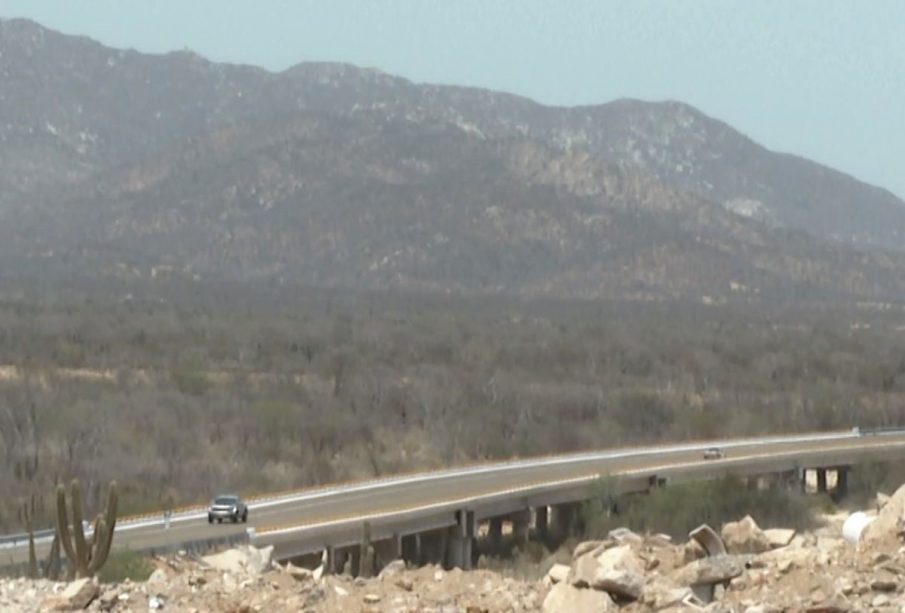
{"x":677,"y":509}
{"x":126,"y":564}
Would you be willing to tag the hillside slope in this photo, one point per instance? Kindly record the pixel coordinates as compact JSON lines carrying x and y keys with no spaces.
{"x":115,"y":162}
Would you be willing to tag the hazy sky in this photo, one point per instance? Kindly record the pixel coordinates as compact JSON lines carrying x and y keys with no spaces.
{"x":823,"y":78}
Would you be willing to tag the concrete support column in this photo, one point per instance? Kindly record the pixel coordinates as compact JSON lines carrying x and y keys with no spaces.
{"x":354,"y":556}
{"x":434,"y":546}
{"x":330,"y":560}
{"x":789,"y":480}
{"x":821,"y":480}
{"x":521,"y":524}
{"x":461,"y":537}
{"x":541,"y":521}
{"x":564,"y":519}
{"x":387,"y":551}
{"x":803,"y":480}
{"x":411,"y":548}
{"x":774,"y":481}
{"x":841,"y":482}
{"x":367,"y":558}
{"x":495,"y":533}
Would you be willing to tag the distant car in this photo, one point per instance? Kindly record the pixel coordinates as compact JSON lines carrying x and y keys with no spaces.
{"x":713,"y":453}
{"x":227,"y":507}
{"x":856,"y":431}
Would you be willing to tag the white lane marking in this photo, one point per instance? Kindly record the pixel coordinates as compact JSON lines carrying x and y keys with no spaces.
{"x":727,"y":462}
{"x":328,"y":491}
{"x":501,"y":467}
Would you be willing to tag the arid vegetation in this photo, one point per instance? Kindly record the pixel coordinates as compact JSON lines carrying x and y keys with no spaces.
{"x":186,"y":391}
{"x":679,"y":509}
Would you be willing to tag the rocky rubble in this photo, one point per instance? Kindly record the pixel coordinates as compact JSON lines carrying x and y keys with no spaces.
{"x":747,"y":569}
{"x":235,"y":581}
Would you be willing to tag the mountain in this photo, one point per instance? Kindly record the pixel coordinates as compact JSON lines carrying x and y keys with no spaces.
{"x":116,"y":163}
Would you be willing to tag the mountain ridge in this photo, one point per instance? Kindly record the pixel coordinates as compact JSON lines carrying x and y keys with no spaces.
{"x":86,"y":131}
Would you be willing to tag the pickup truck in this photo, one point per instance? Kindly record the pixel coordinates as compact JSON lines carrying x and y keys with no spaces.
{"x":228,"y":507}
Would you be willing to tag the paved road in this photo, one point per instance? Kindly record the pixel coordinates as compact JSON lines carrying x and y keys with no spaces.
{"x":333,"y":504}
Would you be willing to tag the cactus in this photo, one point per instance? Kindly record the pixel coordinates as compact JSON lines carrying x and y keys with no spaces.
{"x":32,"y":558}
{"x":26,"y":514}
{"x":367,"y":558}
{"x":86,"y":556}
{"x":52,"y":565}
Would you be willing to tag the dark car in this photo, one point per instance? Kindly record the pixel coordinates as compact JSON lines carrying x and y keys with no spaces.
{"x":713,"y":453}
{"x":227,"y":507}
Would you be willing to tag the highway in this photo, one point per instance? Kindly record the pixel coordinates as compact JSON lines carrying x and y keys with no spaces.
{"x":395,"y":495}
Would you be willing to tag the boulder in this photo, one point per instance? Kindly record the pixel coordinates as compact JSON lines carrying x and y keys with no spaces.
{"x":229,"y":561}
{"x":779,"y":537}
{"x":405,"y":583}
{"x":658,"y":541}
{"x":710,"y":570}
{"x":589,"y":546}
{"x":708,"y":539}
{"x":564,"y":598}
{"x":157,"y":577}
{"x":691,"y":551}
{"x":298,"y":573}
{"x":624,"y":536}
{"x":259,"y":560}
{"x":392,"y":569}
{"x":558,"y":573}
{"x":881,"y":500}
{"x":581,"y":574}
{"x":884,"y":584}
{"x":242,"y":560}
{"x":76,"y":596}
{"x":745,"y":536}
{"x":620,"y":573}
{"x":662,"y":594}
{"x":885,"y":528}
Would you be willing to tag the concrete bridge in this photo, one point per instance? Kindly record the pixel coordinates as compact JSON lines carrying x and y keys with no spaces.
{"x":437,"y":516}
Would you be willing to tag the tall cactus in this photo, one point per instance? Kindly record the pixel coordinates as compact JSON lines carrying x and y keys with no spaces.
{"x":26,"y":513}
{"x":52,"y":564}
{"x":32,"y":558}
{"x":86,"y":556}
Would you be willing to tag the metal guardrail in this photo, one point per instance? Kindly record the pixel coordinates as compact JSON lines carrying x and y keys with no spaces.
{"x":194,"y":513}
{"x":199,"y":546}
{"x":883,"y":430}
{"x":305,"y":538}
{"x":196,"y":547}
{"x":12,"y":540}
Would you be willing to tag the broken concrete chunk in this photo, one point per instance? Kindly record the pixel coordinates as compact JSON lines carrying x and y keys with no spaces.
{"x":77,"y":595}
{"x":779,"y":537}
{"x":745,"y":536}
{"x":886,"y":526}
{"x":392,"y":569}
{"x":564,"y":598}
{"x":624,"y":536}
{"x":590,"y":546}
{"x":620,"y":573}
{"x":709,"y":571}
{"x":558,"y":573}
{"x":691,"y":551}
{"x":708,"y":539}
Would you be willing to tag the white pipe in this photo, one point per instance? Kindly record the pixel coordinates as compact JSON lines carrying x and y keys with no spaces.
{"x":854,"y":526}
